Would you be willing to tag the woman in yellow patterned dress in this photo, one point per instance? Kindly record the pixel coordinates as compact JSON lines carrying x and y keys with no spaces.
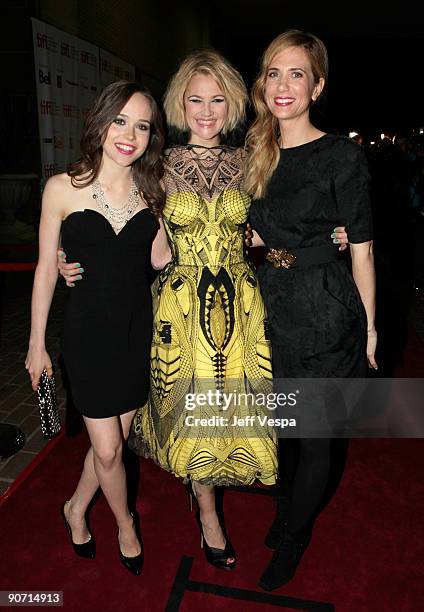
{"x":209,"y":334}
{"x":210,"y":343}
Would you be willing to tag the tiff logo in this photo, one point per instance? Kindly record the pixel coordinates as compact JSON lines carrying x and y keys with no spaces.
{"x":49,"y":170}
{"x":88,"y":58}
{"x":46,"y":107}
{"x":41,"y":40}
{"x":69,"y":110}
{"x":65,"y":49}
{"x":106,"y":66}
{"x":46,"y":42}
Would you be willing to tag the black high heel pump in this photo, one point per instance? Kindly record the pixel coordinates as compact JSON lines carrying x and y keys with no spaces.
{"x":87,"y":550}
{"x":217,"y":557}
{"x":134,"y":564}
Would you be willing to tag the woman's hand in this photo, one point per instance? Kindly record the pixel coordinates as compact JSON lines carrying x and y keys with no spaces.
{"x":252,"y":238}
{"x":248,"y":235}
{"x":36,"y":361}
{"x":71,"y":272}
{"x":339,"y":236}
{"x":371,"y":346}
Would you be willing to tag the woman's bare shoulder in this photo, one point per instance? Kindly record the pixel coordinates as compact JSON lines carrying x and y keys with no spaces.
{"x":58,"y":184}
{"x":62,"y":186}
{"x":62,"y":195}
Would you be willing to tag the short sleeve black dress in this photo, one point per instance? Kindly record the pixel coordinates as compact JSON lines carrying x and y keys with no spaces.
{"x":317,"y":319}
{"x":108,"y":317}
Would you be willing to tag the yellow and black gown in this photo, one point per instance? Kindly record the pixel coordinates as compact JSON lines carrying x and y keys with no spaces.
{"x":209,"y":331}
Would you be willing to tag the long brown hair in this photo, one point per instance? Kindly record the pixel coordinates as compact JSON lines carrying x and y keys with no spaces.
{"x":148,"y":169}
{"x":262,"y":138}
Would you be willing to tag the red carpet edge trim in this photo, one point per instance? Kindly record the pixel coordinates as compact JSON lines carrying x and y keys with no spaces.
{"x":18,"y":267}
{"x":30,"y":468}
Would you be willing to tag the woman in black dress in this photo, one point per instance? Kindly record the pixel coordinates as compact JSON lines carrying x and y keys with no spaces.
{"x":305,"y":182}
{"x":108,"y":318}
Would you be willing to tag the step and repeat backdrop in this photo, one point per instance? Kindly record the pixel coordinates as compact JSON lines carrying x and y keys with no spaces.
{"x":70,"y":72}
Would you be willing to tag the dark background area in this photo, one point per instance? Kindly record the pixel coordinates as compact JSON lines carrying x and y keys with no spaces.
{"x":375,"y":85}
{"x":375,"y":53}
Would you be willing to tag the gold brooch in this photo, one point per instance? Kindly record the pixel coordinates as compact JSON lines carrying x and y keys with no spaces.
{"x":280,"y":258}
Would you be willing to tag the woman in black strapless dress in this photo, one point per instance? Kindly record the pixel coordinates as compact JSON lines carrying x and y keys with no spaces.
{"x":305,"y":182}
{"x":108,"y":318}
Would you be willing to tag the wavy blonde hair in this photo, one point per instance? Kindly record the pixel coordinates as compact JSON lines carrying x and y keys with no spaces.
{"x":212,"y":64}
{"x":262,"y":138}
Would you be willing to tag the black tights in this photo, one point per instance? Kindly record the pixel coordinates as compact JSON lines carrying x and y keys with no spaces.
{"x":306,"y":469}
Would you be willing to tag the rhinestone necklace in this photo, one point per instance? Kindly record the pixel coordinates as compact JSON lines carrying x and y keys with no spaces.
{"x":117,"y":217}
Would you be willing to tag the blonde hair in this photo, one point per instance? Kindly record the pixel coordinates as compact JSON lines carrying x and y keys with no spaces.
{"x":262,"y":138}
{"x":212,"y":64}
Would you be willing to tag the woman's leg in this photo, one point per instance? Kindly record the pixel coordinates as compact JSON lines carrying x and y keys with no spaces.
{"x":205,"y":495}
{"x":76,"y":507}
{"x":212,"y":530}
{"x":309,"y":484}
{"x":287,"y":461}
{"x":128,"y":541}
{"x":106,"y":440}
{"x":309,"y":487}
{"x":89,"y":482}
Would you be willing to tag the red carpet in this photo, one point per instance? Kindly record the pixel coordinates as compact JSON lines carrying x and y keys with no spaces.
{"x":18,"y":257}
{"x":365,"y":555}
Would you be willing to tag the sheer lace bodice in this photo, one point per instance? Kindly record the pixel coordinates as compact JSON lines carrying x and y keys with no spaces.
{"x":205,"y":208}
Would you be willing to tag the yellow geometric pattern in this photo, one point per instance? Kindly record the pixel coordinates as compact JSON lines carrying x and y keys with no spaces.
{"x":209,"y":332}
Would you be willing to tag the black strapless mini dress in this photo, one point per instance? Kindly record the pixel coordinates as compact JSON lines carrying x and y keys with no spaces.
{"x":107,"y":326}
